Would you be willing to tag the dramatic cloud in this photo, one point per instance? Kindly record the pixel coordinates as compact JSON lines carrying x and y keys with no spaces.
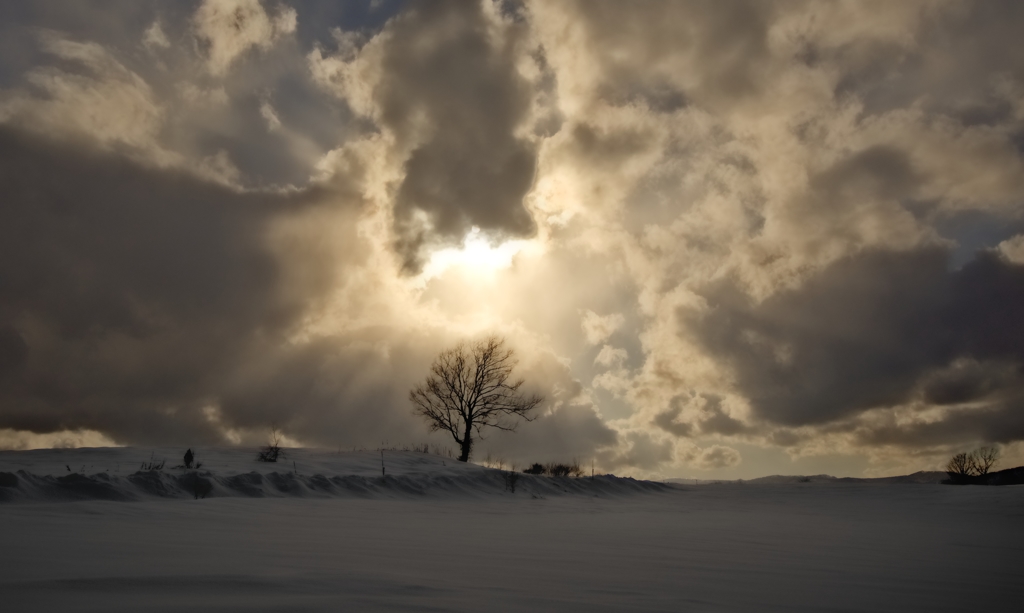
{"x":732,"y":237}
{"x":130,"y":287}
{"x":716,"y":456}
{"x":232,"y":27}
{"x":873,"y":331}
{"x":442,"y":79}
{"x":102,"y":100}
{"x":597,"y":328}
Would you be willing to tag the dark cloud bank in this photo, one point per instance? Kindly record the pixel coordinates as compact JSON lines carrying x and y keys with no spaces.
{"x":879,"y":329}
{"x":129,"y":295}
{"x":450,"y":88}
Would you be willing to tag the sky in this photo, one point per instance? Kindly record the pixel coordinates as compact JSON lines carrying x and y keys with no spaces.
{"x":725,"y":239}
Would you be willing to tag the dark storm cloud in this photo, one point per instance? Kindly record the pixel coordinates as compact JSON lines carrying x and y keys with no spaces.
{"x":128,"y":294}
{"x":868,"y":330}
{"x":1001,"y":421}
{"x":966,"y":380}
{"x":669,"y":421}
{"x":879,"y":172}
{"x":712,"y":419}
{"x":445,"y":73}
{"x":957,"y":78}
{"x":13,"y":350}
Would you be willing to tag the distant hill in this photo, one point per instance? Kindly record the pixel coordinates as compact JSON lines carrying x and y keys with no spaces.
{"x":921,"y":476}
{"x":1009,"y":476}
{"x":918,"y":477}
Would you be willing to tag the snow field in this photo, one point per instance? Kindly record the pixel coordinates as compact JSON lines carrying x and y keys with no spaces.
{"x":728,"y":547}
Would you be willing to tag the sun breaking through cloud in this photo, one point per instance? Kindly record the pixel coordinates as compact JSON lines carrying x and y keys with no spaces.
{"x":725,"y":238}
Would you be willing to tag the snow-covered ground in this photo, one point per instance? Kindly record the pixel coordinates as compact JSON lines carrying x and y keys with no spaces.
{"x":128,"y":474}
{"x":435,"y":535}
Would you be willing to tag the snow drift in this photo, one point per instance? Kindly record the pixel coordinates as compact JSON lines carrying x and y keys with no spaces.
{"x":135,"y":474}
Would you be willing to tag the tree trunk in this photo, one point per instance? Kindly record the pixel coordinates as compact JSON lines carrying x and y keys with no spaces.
{"x":467,"y":444}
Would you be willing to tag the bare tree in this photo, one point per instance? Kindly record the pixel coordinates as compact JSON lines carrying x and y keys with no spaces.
{"x":972,"y":467}
{"x":469,"y":390}
{"x":984,"y":459}
{"x":961,"y":465}
{"x":272,"y":450}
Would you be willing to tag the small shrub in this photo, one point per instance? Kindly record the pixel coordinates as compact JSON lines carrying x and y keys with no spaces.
{"x":270,"y":453}
{"x":535,"y":469}
{"x":493,"y":462}
{"x":565,"y":470}
{"x":511,"y":478}
{"x":150,"y":465}
{"x":558,"y":470}
{"x":442,"y":450}
{"x":272,"y":450}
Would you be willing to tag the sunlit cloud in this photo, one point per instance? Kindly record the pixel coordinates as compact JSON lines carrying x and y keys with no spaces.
{"x":477,"y":258}
{"x":713,"y":231}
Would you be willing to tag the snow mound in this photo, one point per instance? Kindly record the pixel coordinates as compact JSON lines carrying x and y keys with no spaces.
{"x":128,"y":474}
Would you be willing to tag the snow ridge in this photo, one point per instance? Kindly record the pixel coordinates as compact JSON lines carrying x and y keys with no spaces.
{"x":313,"y":474}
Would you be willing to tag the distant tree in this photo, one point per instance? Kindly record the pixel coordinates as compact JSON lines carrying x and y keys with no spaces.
{"x":469,"y":389}
{"x":535,"y":469}
{"x":967,"y":467}
{"x":984,"y":459}
{"x":557,"y":469}
{"x":272,"y":450}
{"x":960,"y":467}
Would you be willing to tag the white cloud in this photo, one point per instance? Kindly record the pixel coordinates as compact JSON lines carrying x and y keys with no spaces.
{"x":211,"y":97}
{"x":611,"y":357}
{"x":598,"y":328}
{"x":1013,"y":249}
{"x":63,"y":439}
{"x":270,"y":115}
{"x":102,"y":100}
{"x":713,"y":457}
{"x":154,"y":37}
{"x":230,"y":28}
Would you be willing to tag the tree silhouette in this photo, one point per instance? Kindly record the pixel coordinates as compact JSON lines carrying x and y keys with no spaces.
{"x":985,"y":458}
{"x":469,"y":390}
{"x":972,"y":467}
{"x":272,"y":450}
{"x":960,"y":466}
